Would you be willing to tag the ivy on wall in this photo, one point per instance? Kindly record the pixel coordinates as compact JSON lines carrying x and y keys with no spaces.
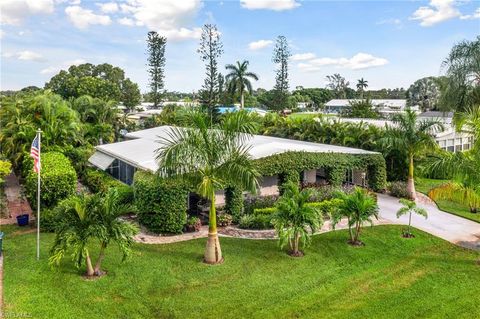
{"x":289,"y":165}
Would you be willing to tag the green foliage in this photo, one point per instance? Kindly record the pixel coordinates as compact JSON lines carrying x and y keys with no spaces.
{"x":86,"y":219}
{"x":294,"y":216}
{"x":360,"y":109}
{"x":234,"y":202}
{"x":22,"y":115}
{"x":358,"y":207}
{"x":409,"y":207}
{"x":398,"y":189}
{"x":5,"y":168}
{"x":224,"y":220}
{"x":254,"y":202}
{"x":100,"y":182}
{"x":156,"y":64}
{"x":58,"y":180}
{"x":210,"y":50}
{"x":281,"y":54}
{"x":102,"y":81}
{"x":255,"y":222}
{"x":239,"y":80}
{"x":335,"y":164}
{"x":79,"y":157}
{"x":264,"y":211}
{"x":131,"y":96}
{"x":161,"y":203}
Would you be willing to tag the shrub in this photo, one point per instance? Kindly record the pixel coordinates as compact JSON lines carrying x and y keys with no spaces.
{"x":79,"y":157}
{"x":193,"y":224}
{"x":399,"y":189}
{"x":49,"y":220}
{"x":253,"y":202}
{"x":100,"y":182}
{"x":264,"y":211}
{"x":5,"y":168}
{"x":255,"y":222}
{"x":224,"y":220}
{"x":58,"y":180}
{"x":234,"y":202}
{"x":161,"y":203}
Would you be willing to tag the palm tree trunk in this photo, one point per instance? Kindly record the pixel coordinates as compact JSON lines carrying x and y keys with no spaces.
{"x":242,"y":100}
{"x":411,"y":181}
{"x":409,"y":222}
{"x":99,"y":260}
{"x":88,"y":260}
{"x":213,"y":253}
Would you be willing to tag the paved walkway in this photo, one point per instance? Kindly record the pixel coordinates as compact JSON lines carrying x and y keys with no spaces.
{"x":16,"y":204}
{"x":458,"y":230}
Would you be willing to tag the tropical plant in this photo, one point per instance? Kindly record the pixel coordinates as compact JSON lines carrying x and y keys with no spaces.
{"x":239,"y":79}
{"x":410,"y":207}
{"x":425,"y":93}
{"x":360,"y":109}
{"x":22,"y":115}
{"x":459,"y":192}
{"x":361,"y":86}
{"x":463,"y":71}
{"x":5,"y":168}
{"x":293,"y":218}
{"x":358,"y":207}
{"x":84,"y":220}
{"x":210,"y":157}
{"x":413,"y":137}
{"x":338,"y":85}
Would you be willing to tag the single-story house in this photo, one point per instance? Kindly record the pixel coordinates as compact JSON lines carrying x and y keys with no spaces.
{"x":386,"y":107}
{"x":449,"y":140}
{"x":137,"y":152}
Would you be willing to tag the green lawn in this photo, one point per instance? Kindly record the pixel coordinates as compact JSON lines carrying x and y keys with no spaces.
{"x":305,"y":115}
{"x":424,"y":185}
{"x":391,"y":277}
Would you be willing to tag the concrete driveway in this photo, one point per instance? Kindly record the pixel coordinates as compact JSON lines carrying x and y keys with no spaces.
{"x":458,"y":230}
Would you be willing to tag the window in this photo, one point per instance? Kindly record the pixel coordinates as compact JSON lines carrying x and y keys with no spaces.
{"x":451,"y":149}
{"x":122,"y":171}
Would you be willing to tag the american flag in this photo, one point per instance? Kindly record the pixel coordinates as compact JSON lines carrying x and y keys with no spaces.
{"x":35,"y":154}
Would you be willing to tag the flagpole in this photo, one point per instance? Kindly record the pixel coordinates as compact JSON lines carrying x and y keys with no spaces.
{"x":39,"y":134}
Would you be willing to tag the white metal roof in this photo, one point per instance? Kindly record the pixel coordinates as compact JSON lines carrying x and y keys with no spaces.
{"x":139,"y":150}
{"x":395,"y":103}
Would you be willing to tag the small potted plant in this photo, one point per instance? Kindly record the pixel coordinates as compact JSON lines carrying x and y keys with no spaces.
{"x":193,"y":224}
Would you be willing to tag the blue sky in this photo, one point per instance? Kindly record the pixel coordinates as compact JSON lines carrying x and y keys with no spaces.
{"x":389,"y":43}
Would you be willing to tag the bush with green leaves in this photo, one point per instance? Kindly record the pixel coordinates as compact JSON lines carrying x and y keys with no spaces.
{"x":5,"y":168}
{"x":100,"y":182}
{"x":224,"y":220}
{"x":161,"y":203}
{"x":255,"y":222}
{"x":398,"y":189}
{"x":234,"y":202}
{"x":255,"y":202}
{"x":58,"y":180}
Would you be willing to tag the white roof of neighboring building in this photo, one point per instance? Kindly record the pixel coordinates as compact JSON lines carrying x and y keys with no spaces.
{"x":140,"y":150}
{"x":395,"y":103}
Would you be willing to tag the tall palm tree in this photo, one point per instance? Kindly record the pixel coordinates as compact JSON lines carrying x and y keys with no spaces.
{"x":361,"y":86}
{"x":239,"y":79}
{"x":412,"y":137}
{"x":294,"y":216}
{"x":210,"y":157}
{"x":463,"y":74}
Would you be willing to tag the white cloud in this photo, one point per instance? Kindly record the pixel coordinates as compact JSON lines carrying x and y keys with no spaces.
{"x":357,"y":62}
{"x":171,"y":18}
{"x":13,"y":12}
{"x":276,"y":5}
{"x":25,"y":55}
{"x":108,"y":7}
{"x":126,"y":21}
{"x":437,"y":11}
{"x":260,"y":44}
{"x":63,"y":66}
{"x":303,"y":56}
{"x":83,"y":18}
{"x":475,"y":15}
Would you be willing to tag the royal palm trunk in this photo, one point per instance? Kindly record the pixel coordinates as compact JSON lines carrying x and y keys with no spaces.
{"x":410,"y":181}
{"x":213,"y":253}
{"x":88,"y":260}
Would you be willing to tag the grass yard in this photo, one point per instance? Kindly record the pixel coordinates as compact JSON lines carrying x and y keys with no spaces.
{"x":301,"y":115}
{"x":391,"y":277}
{"x":424,"y":185}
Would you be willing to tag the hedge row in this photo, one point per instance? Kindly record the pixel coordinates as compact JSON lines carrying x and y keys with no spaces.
{"x":58,"y":179}
{"x":289,"y":165}
{"x":99,"y":182}
{"x":161,"y":204}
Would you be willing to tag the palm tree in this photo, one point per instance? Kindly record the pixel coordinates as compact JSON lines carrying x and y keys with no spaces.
{"x":82,"y":220}
{"x":293,"y":216}
{"x":210,"y":157}
{"x":238,"y":79}
{"x":358,"y":207}
{"x":459,"y":192}
{"x":361,"y":86}
{"x":463,"y":73}
{"x":410,"y":207}
{"x":412,"y":137}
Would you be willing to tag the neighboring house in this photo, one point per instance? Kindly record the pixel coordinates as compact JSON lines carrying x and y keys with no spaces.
{"x":448,"y":140}
{"x":225,"y":109}
{"x":139,"y":117}
{"x":385,"y":107}
{"x":303,"y":105}
{"x":138,"y":152}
